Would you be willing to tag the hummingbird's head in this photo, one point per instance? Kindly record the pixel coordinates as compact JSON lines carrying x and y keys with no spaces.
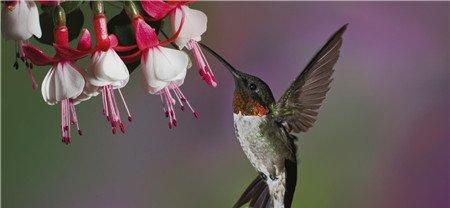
{"x":252,"y":96}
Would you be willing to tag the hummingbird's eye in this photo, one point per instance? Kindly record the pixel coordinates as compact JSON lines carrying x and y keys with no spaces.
{"x":252,"y":87}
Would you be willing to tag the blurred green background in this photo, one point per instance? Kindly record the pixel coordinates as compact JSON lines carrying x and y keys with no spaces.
{"x":381,"y":140}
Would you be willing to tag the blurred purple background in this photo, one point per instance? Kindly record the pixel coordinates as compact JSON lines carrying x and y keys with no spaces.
{"x":381,"y":140}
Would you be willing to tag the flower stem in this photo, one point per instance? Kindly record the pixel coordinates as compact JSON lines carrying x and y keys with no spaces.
{"x":131,"y":9}
{"x":97,"y":7}
{"x":59,"y":16}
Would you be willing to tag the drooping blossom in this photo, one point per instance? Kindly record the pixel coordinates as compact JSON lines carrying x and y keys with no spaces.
{"x":193,"y":24}
{"x":20,"y":21}
{"x":64,"y":81}
{"x":106,"y":73}
{"x":162,"y":69}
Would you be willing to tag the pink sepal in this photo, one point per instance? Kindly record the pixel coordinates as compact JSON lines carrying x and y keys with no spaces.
{"x":145,"y":35}
{"x":36,"y":56}
{"x":177,"y":3}
{"x":120,"y":48}
{"x":157,"y":9}
{"x":113,"y":41}
{"x":68,"y":53}
{"x":85,"y":42}
{"x":132,"y":57}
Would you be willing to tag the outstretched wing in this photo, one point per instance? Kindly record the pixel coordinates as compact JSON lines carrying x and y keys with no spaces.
{"x":298,"y":107}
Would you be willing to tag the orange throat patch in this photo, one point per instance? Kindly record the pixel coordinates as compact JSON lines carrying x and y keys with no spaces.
{"x":246,"y":105}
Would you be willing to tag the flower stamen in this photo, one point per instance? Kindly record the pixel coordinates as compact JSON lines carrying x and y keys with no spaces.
{"x":168,"y":99}
{"x":20,"y":54}
{"x":68,"y":118}
{"x":30,"y":73}
{"x":111,"y":110}
{"x":183,"y":98}
{"x":203,"y":65}
{"x":168,"y":103}
{"x":16,"y":62}
{"x":125,"y":104}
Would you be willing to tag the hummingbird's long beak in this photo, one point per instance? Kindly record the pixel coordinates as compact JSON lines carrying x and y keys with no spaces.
{"x":236,"y":73}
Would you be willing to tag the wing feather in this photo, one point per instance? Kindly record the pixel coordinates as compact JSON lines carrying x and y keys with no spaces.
{"x":298,"y":107}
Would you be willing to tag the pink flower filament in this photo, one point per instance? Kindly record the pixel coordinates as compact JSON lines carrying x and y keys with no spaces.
{"x":203,"y":65}
{"x":20,"y":54}
{"x":169,"y":103}
{"x":111,"y":110}
{"x":68,"y":118}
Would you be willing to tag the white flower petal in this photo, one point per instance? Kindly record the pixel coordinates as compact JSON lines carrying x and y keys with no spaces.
{"x":91,"y":78}
{"x":120,"y":84}
{"x":90,"y":89}
{"x":34,"y":27}
{"x":178,"y":82}
{"x":48,"y":87}
{"x":13,"y":26}
{"x":99,"y":56}
{"x":97,"y":82}
{"x":148,"y":80}
{"x":62,"y":82}
{"x":195,"y":24}
{"x":169,"y":63}
{"x":81,"y":98}
{"x":150,"y":89}
{"x":73,"y":81}
{"x":110,"y":67}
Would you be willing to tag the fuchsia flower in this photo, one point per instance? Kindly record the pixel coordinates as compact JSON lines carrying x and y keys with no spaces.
{"x":20,"y":21}
{"x":107,"y":72}
{"x":163,"y":69}
{"x":64,"y":81}
{"x":193,"y":25}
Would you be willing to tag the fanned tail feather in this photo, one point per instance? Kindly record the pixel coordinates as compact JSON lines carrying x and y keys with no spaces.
{"x":257,"y":193}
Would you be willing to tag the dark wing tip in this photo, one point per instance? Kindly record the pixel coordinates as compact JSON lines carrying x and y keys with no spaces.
{"x":339,"y":33}
{"x":343,"y":28}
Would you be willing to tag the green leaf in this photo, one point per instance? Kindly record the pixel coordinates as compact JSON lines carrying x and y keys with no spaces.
{"x":70,"y":6}
{"x":47,"y":25}
{"x":74,"y":22}
{"x":120,"y":26}
{"x":47,"y":9}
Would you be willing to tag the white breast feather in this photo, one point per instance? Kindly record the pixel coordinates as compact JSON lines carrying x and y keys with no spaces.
{"x":247,"y":132}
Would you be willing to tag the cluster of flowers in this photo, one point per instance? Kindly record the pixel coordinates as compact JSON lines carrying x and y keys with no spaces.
{"x":162,"y":69}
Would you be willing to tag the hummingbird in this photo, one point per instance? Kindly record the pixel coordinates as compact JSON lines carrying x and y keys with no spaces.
{"x":267,"y":130}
